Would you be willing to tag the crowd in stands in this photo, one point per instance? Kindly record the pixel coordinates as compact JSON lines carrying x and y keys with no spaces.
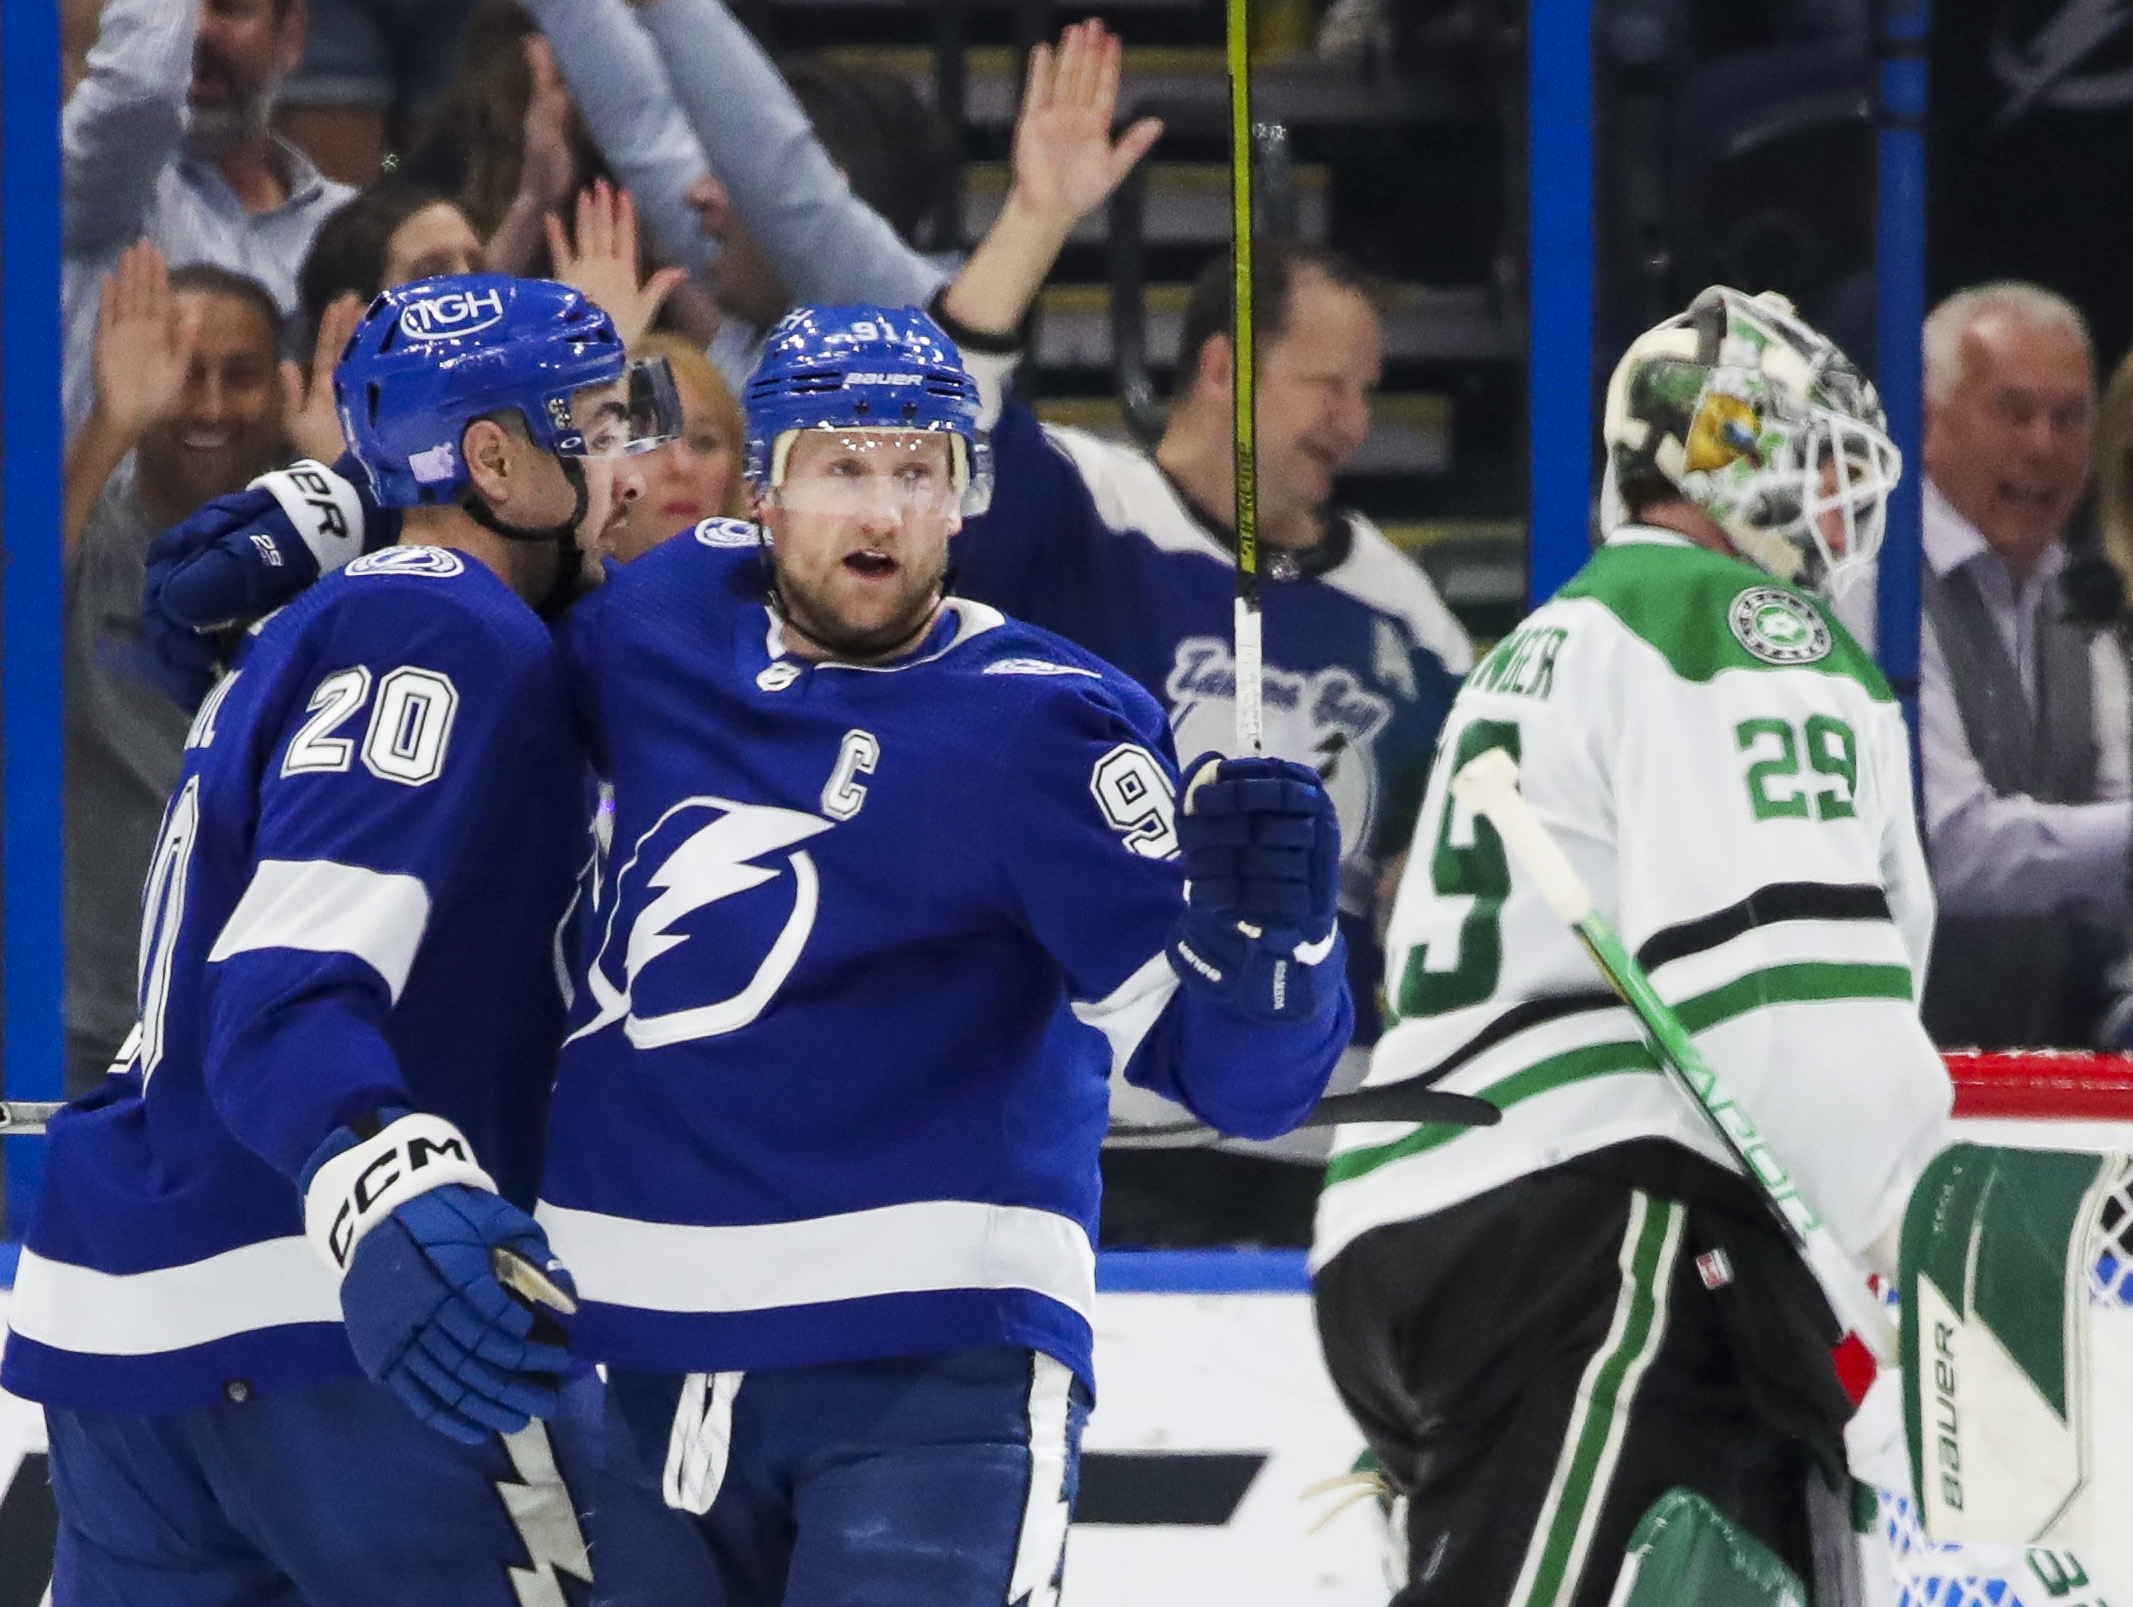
{"x":242,"y":176}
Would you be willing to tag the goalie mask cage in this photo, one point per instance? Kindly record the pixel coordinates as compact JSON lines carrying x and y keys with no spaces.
{"x":2042,"y":1100}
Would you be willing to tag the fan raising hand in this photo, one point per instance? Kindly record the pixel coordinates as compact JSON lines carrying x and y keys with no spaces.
{"x":1066,"y":163}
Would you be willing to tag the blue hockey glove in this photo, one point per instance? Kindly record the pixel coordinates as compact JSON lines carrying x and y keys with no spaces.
{"x":1261,"y":849}
{"x":242,"y":556}
{"x":414,"y":1227}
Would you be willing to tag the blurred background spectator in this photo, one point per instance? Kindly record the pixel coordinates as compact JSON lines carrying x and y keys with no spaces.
{"x":168,"y":138}
{"x":807,"y":199}
{"x":188,"y":406}
{"x":371,"y":71}
{"x":390,"y":233}
{"x":506,"y":144}
{"x":697,"y":477}
{"x":2024,"y":709}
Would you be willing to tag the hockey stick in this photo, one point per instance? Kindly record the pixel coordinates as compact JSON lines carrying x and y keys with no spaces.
{"x":25,"y":1118}
{"x":1243,"y":388}
{"x":1488,"y":785}
{"x":1403,"y":1103}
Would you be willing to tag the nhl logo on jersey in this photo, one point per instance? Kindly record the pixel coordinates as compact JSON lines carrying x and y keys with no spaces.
{"x":1778,"y":627}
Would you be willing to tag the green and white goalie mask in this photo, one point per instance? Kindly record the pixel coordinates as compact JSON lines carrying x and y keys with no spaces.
{"x":1741,"y":409}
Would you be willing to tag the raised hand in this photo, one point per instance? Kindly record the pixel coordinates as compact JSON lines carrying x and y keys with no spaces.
{"x":307,"y":400}
{"x":1065,"y":162}
{"x":548,"y":167}
{"x":144,"y":345}
{"x":603,"y":261}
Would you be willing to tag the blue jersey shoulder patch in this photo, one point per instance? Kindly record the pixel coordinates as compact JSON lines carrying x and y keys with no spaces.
{"x":435,"y":561}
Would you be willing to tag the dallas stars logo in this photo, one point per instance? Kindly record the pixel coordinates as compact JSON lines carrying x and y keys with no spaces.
{"x":1778,"y":627}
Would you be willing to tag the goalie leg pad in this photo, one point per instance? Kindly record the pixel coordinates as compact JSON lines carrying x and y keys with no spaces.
{"x":1686,"y":1550}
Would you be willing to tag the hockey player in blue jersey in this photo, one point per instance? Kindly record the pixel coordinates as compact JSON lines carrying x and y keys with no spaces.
{"x":894,"y":885}
{"x":1128,"y":555}
{"x":328,"y":1125}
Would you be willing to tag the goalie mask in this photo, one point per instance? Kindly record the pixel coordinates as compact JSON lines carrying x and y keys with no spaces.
{"x":1740,"y":408}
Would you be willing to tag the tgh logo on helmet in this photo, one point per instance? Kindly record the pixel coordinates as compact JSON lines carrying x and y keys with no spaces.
{"x":451,"y":316}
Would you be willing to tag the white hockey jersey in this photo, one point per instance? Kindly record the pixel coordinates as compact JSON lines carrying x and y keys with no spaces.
{"x":1728,"y":772}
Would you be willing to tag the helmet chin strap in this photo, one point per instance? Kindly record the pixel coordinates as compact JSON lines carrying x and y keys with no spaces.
{"x":570,"y":557}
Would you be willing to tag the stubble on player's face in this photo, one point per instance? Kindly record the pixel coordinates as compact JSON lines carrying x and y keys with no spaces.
{"x":859,"y":533}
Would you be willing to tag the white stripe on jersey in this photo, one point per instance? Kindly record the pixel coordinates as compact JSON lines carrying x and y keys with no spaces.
{"x":1040,"y":1549}
{"x":327,"y":908}
{"x":1126,"y":1013}
{"x":892,"y":1249}
{"x":263,"y":1285}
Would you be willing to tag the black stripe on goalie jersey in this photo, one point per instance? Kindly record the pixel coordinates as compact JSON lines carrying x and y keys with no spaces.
{"x":1766,"y":906}
{"x":1517,"y":1019}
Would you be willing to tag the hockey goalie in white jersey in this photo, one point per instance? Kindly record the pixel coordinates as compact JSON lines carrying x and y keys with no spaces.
{"x":1544,"y":1326}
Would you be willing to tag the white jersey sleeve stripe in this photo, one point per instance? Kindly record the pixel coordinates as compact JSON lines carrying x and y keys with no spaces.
{"x":1126,"y":1013}
{"x":328,"y":908}
{"x":892,"y":1249}
{"x":265,"y":1285}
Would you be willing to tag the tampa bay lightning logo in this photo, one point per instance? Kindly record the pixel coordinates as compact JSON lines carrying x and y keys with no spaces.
{"x":711,"y":913}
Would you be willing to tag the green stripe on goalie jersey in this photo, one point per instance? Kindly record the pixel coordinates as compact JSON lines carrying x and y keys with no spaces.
{"x":1681,"y":600}
{"x":1804,"y":982}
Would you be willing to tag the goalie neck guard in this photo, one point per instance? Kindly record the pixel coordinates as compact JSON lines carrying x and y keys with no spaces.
{"x":879,"y":369}
{"x":1743,"y":410}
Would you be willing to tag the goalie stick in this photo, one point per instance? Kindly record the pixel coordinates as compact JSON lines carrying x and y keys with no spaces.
{"x":1488,"y":785}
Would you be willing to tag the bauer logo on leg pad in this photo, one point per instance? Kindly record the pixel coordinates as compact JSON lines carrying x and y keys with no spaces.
{"x":361,"y":1186}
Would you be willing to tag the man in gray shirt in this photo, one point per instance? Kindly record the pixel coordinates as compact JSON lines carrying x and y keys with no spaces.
{"x":188,"y":406}
{"x":167,"y":139}
{"x":2022,"y":711}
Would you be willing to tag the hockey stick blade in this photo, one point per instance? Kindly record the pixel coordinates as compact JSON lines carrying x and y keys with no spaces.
{"x":1403,"y":1102}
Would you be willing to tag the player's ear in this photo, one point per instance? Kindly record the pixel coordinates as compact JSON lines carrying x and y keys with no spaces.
{"x":1217,"y":368}
{"x":487,"y":445}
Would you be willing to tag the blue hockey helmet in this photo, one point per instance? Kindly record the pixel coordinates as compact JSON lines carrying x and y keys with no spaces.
{"x":432,"y":356}
{"x":864,"y":368}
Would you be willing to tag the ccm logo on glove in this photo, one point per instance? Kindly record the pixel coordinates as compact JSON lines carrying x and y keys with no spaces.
{"x":358,"y":1188}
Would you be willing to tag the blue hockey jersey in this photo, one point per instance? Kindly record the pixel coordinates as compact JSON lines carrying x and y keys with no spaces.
{"x":867,"y":946}
{"x":353,"y":905}
{"x":1090,"y":538}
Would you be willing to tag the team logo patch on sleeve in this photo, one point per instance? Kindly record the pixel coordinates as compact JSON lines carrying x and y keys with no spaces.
{"x":726,"y":533}
{"x":1778,"y":627}
{"x":409,"y":561}
{"x":1036,"y":666}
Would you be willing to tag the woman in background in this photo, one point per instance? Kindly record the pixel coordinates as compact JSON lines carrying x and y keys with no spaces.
{"x":697,"y":477}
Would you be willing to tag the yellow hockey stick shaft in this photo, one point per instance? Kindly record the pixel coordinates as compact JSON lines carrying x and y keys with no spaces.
{"x":1250,"y":723}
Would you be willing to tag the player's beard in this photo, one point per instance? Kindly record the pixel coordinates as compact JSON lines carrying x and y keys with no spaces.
{"x":813,"y":617}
